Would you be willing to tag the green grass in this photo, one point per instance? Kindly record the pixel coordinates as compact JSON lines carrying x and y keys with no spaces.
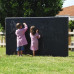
{"x":36,"y":65}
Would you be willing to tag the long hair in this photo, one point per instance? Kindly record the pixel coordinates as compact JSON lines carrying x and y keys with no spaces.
{"x":33,"y":30}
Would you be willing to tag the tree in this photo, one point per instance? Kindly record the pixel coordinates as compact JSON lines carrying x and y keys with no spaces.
{"x":11,"y":8}
{"x":71,"y":25}
{"x":31,"y":8}
{"x":0,"y":9}
{"x":45,"y":7}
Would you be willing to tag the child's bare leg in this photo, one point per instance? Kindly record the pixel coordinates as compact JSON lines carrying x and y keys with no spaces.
{"x":33,"y":53}
{"x":18,"y":53}
{"x":21,"y":52}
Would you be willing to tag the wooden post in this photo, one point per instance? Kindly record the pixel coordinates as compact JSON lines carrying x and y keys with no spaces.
{"x":4,"y":40}
{"x":1,"y":40}
{"x":69,"y":38}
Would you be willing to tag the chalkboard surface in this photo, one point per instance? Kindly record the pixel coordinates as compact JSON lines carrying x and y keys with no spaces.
{"x":53,"y":31}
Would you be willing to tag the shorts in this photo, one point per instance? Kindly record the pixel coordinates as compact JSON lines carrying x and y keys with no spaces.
{"x":20,"y":48}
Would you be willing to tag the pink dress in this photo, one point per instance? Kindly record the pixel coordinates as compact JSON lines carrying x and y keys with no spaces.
{"x":21,"y":39}
{"x":34,"y":41}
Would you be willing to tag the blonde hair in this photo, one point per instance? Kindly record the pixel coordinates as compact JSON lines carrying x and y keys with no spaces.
{"x":18,"y":25}
{"x":33,"y":30}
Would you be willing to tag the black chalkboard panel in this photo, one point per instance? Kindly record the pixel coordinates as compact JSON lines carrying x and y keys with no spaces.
{"x":53,"y":31}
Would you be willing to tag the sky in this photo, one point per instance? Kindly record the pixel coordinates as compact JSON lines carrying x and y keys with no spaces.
{"x":68,"y":3}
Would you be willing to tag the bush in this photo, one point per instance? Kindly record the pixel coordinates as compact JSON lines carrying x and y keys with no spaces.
{"x":71,"y":25}
{"x":1,"y":28}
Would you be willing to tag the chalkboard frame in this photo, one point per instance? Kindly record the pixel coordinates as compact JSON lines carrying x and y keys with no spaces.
{"x":40,"y":52}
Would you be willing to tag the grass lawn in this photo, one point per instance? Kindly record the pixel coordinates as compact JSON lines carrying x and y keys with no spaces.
{"x":36,"y":65}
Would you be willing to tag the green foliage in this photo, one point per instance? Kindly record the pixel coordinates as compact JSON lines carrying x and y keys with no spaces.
{"x":44,"y":7}
{"x":29,"y":8}
{"x":1,"y":28}
{"x":71,"y":24}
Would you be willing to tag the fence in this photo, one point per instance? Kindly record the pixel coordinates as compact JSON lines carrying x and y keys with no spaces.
{"x":71,"y":40}
{"x":2,"y":39}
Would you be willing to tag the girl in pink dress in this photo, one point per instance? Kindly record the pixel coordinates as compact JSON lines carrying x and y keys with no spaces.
{"x":34,"y":39}
{"x":21,"y":39}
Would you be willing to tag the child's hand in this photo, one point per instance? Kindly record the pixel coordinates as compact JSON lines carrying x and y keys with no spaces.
{"x":37,"y":31}
{"x":24,"y":24}
{"x":38,"y":37}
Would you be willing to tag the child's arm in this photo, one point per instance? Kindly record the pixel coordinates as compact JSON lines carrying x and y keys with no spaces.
{"x":37,"y":34}
{"x":26,"y":27}
{"x":30,"y":35}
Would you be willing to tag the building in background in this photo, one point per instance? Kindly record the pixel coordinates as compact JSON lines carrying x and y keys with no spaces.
{"x":67,"y":11}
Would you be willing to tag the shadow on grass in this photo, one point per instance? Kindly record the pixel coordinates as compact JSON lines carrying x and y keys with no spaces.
{"x":70,"y":56}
